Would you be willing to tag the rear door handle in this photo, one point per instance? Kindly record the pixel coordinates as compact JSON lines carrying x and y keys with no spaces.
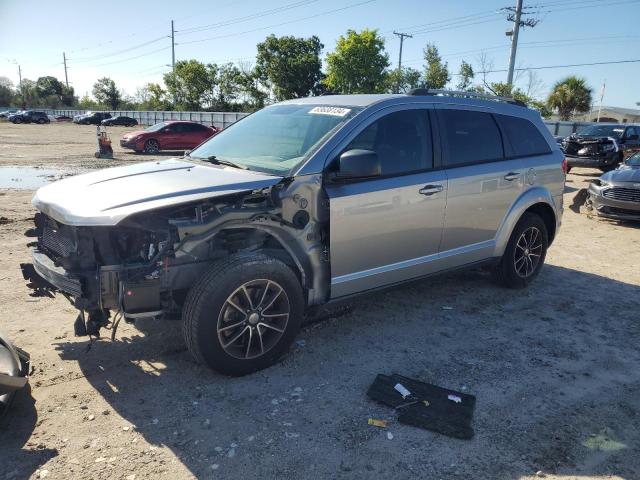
{"x":511,"y":176}
{"x":431,"y":189}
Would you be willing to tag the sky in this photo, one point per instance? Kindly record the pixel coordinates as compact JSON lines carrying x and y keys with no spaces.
{"x":129,"y":41}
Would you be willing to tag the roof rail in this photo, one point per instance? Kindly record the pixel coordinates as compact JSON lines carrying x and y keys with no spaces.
{"x":465,"y":94}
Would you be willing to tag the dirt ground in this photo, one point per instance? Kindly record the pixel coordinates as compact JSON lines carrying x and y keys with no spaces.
{"x":554,"y":368}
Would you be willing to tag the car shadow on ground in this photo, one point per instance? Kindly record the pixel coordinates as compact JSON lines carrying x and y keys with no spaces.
{"x":554,"y":368}
{"x":15,"y":431}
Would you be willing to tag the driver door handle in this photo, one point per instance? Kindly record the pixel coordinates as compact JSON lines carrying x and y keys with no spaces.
{"x":431,"y":189}
{"x":511,"y":176}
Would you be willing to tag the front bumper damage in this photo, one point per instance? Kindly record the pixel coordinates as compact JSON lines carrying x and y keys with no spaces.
{"x":615,"y":202}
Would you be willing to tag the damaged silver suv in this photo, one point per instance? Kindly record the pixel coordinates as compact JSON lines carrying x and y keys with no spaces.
{"x":303,"y":203}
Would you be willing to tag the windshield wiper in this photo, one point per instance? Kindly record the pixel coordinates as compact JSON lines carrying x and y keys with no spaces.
{"x":218,"y":161}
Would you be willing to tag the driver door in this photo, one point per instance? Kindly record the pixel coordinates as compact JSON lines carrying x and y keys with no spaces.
{"x":388,"y":229}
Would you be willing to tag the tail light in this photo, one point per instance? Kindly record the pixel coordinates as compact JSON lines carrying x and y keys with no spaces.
{"x":565,"y":166}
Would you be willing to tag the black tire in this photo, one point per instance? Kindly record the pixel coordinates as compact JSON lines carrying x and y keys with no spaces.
{"x":151,"y":146}
{"x":17,"y":120}
{"x":208,"y":317}
{"x":41,"y":121}
{"x":509,"y":272}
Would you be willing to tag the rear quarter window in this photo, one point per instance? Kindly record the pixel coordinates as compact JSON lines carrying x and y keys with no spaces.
{"x":522,"y":138}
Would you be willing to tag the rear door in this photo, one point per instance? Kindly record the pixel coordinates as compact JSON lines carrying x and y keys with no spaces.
{"x":387,"y":229}
{"x":483,"y":183}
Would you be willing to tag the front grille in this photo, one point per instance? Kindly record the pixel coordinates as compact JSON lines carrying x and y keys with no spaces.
{"x":623,"y":194}
{"x":58,"y":241}
{"x":621,"y":211}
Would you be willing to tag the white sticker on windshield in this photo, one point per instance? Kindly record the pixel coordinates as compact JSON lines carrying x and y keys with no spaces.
{"x":336,"y":111}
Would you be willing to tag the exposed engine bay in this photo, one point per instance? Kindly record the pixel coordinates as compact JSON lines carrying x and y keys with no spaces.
{"x":144,"y":265}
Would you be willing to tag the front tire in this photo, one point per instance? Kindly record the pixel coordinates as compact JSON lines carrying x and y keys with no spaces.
{"x":151,"y":146}
{"x":525,"y":253}
{"x":243,"y":315}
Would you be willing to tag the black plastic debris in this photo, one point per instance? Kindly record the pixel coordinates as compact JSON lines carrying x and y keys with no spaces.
{"x":428,"y":406}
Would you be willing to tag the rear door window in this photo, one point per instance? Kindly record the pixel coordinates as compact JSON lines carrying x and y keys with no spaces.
{"x":470,"y":137}
{"x":522,"y":138}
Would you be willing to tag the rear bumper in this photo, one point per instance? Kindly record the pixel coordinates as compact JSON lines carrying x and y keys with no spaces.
{"x":596,"y":161}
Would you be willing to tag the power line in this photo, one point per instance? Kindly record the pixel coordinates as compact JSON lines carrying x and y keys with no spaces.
{"x":233,"y":21}
{"x":132,"y":58}
{"x":279,"y":24}
{"x":614,"y":62}
{"x":119,"y":52}
{"x":402,"y":37}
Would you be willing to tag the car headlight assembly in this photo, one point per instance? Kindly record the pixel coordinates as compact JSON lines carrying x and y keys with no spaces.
{"x":608,"y":147}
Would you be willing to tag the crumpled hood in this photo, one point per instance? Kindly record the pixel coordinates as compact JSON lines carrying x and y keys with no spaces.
{"x":106,"y":197}
{"x":623,"y":174}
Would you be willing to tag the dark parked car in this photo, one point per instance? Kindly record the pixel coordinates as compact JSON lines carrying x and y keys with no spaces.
{"x":616,"y":194}
{"x":120,"y":120}
{"x":91,"y":118}
{"x":29,"y":116}
{"x":63,"y":118}
{"x":601,"y":146}
{"x":171,"y":135}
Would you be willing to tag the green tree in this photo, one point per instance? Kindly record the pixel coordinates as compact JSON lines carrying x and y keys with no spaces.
{"x":570,"y":96}
{"x":358,"y":64}
{"x":437,"y":72}
{"x":106,"y":93}
{"x":187,"y":84}
{"x":7,"y":93}
{"x":403,"y":81}
{"x":289,"y":66}
{"x":152,"y":96}
{"x":466,"y":75}
{"x":28,"y":94}
{"x":68,"y":97}
{"x":250,"y":89}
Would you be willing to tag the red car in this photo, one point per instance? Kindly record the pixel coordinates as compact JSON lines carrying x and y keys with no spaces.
{"x":170,"y":135}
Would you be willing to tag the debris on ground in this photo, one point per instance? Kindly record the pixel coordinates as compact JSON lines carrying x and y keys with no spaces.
{"x":426,"y":406}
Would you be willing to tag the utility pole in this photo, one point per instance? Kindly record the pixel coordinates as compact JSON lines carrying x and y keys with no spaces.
{"x":514,"y":41}
{"x":64,"y":60}
{"x":20,"y":85}
{"x":173,"y":47}
{"x":402,"y":37}
{"x":601,"y":98}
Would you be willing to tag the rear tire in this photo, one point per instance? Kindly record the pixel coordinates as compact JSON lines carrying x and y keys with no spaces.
{"x":243,"y":314}
{"x":525,"y":253}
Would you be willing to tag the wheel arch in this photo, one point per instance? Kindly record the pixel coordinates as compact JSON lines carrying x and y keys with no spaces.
{"x":535,"y":200}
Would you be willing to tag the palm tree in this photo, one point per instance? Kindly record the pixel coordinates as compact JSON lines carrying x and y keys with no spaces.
{"x":570,"y":96}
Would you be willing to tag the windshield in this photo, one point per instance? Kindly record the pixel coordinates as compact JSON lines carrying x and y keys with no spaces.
{"x":633,"y":160}
{"x":275,"y":139}
{"x":601,"y":131}
{"x":156,"y":127}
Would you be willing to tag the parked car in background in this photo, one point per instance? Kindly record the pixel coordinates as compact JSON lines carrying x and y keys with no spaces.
{"x":63,"y":118}
{"x":91,"y":118}
{"x":616,"y":194}
{"x":29,"y":116}
{"x":302,"y":203}
{"x":170,"y":135}
{"x":6,"y":113}
{"x":120,"y":120}
{"x":601,"y":146}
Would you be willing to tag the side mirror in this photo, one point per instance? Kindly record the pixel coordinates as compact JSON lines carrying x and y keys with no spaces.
{"x":358,"y":163}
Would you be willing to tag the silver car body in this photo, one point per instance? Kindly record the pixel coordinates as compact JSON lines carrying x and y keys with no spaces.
{"x":616,"y":194}
{"x":362,"y":235}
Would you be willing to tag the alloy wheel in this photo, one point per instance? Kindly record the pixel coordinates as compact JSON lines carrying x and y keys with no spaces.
{"x":528,"y":252}
{"x":152,"y":146}
{"x":253,"y":319}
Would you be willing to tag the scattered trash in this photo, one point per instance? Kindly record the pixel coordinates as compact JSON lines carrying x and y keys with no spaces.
{"x":431,"y":407}
{"x":389,"y":436}
{"x":377,"y":423}
{"x":447,"y":308}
